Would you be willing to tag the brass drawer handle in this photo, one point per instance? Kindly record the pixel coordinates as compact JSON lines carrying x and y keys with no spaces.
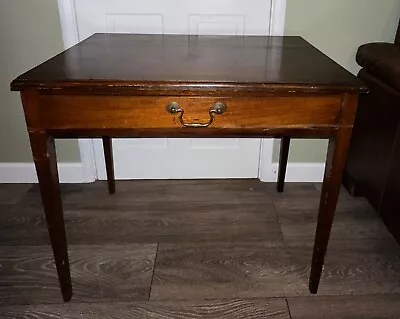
{"x":175,"y":108}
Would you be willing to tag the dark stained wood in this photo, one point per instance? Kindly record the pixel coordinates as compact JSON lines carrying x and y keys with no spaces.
{"x":306,"y":131}
{"x":220,"y":309}
{"x":272,"y":86}
{"x":190,"y":63}
{"x":283,"y":160}
{"x":44,"y":155}
{"x":108,"y":157}
{"x":343,"y":307}
{"x":397,"y":39}
{"x":46,"y":168}
{"x":335,"y":163}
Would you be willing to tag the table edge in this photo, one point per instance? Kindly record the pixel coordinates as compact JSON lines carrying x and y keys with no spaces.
{"x":108,"y":87}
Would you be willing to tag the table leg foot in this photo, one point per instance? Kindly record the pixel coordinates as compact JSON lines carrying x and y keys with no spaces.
{"x":315,"y":277}
{"x":108,"y":156}
{"x":67,"y":294}
{"x":336,"y":159}
{"x":283,"y":160}
{"x":43,"y":150}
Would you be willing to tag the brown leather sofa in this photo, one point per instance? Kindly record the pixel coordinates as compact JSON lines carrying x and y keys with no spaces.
{"x":373,"y":165}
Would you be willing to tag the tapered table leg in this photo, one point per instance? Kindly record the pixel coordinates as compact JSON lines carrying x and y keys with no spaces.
{"x":44,"y":154}
{"x":283,"y":160}
{"x":336,"y":159}
{"x":108,"y":156}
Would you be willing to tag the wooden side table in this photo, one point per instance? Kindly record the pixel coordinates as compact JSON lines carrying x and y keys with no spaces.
{"x":107,"y":86}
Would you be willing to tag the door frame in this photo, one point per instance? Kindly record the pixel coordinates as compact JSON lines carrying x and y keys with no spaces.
{"x":70,"y":34}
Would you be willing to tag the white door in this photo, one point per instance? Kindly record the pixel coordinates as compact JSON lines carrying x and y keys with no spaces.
{"x":167,"y":157}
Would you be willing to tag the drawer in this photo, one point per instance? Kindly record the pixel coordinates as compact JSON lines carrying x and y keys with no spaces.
{"x":98,"y":112}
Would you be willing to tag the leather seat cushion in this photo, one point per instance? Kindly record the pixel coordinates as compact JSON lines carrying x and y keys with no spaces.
{"x":381,"y":60}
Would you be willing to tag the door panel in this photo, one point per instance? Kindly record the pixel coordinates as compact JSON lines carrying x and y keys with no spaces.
{"x":177,"y":158}
{"x":141,"y":23}
{"x":175,"y":17}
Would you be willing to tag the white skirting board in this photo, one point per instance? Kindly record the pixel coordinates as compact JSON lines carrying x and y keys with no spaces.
{"x":296,"y":172}
{"x":74,"y":173}
{"x":26,"y":173}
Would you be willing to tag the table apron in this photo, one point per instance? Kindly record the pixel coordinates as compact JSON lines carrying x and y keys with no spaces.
{"x":295,"y":132}
{"x":127,"y":116}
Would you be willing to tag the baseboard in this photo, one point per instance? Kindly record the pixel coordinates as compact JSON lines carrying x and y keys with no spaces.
{"x":74,"y":173}
{"x":296,"y":172}
{"x":26,"y":173}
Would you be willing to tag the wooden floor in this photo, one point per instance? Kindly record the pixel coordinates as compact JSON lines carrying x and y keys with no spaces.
{"x":195,"y":249}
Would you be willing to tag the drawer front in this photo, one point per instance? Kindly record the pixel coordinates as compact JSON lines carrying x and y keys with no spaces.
{"x":100,"y":112}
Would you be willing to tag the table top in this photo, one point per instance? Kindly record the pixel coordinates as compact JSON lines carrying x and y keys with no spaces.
{"x":253,"y":62}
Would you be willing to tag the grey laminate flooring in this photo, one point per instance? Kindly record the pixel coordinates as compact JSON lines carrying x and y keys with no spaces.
{"x":195,"y":249}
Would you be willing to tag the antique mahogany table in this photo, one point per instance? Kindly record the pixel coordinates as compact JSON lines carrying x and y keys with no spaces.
{"x":114,"y":85}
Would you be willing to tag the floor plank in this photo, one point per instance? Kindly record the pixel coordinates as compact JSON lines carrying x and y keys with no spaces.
{"x":221,"y":253}
{"x":353,"y":219}
{"x":345,"y":307}
{"x":94,"y":223}
{"x":99,"y":273}
{"x":227,"y":270}
{"x":179,"y":191}
{"x":254,"y":270}
{"x":11,"y":194}
{"x":212,"y":309}
{"x":356,"y":266}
